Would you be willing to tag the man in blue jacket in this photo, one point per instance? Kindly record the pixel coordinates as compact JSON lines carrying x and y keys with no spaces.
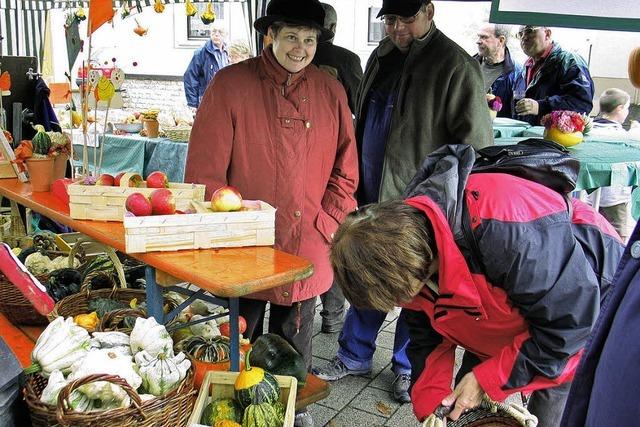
{"x":552,"y":78}
{"x":204,"y":65}
{"x":499,"y":71}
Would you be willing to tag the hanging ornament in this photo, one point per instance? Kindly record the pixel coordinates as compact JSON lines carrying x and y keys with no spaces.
{"x":80,"y":15}
{"x":158,"y":6}
{"x":190,"y":8}
{"x":209,"y":15}
{"x":140,"y":30}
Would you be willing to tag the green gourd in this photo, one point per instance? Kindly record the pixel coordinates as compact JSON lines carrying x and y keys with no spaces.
{"x":261,"y":415}
{"x":255,"y":386}
{"x":221,"y":409}
{"x":213,"y":350}
{"x":273,"y":353}
{"x":41,"y":141}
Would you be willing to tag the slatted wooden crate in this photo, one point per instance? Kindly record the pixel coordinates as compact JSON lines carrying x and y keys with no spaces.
{"x":99,"y":202}
{"x":219,"y":385}
{"x":201,"y":230}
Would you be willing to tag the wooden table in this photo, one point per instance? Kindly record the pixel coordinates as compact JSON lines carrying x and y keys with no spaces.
{"x":226,"y":273}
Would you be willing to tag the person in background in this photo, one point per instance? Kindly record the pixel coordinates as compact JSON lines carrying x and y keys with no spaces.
{"x":521,"y":305}
{"x":281,"y":131}
{"x":605,"y":388}
{"x":206,"y":62}
{"x":499,"y":71}
{"x":239,"y":50}
{"x":552,"y":78}
{"x":345,"y":66}
{"x":419,"y":92}
{"x":341,"y":62}
{"x":614,"y":201}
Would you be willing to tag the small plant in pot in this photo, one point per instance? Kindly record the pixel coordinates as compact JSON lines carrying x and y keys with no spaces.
{"x":38,"y":158}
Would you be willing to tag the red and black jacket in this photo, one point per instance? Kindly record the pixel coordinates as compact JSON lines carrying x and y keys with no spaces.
{"x":524,"y":301}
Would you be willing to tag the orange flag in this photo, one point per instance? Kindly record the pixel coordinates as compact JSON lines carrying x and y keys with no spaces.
{"x":100,"y":11}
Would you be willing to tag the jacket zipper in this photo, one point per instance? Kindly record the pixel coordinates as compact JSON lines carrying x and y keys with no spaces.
{"x":287,"y":83}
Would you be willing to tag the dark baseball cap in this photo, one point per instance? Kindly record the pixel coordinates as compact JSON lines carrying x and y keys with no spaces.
{"x":401,"y":7}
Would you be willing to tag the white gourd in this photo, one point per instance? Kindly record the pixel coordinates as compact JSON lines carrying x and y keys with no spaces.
{"x":151,"y":337}
{"x":208,"y":329}
{"x":161,"y":374}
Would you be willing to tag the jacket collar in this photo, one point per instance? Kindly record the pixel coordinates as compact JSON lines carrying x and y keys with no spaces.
{"x":272,"y":70}
{"x":455,"y":282}
{"x":211,"y":48}
{"x":509,"y":65}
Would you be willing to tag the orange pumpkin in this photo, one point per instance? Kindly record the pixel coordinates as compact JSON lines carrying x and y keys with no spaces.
{"x":634,"y":67}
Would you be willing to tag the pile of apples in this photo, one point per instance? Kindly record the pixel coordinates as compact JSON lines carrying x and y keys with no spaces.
{"x":160,"y":202}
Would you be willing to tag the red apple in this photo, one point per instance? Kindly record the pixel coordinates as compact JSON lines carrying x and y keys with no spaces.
{"x":225,"y":328}
{"x":105,"y":179}
{"x":116,"y":180}
{"x":138,"y":204}
{"x":157,"y":179}
{"x":163,"y":202}
{"x":226,"y":199}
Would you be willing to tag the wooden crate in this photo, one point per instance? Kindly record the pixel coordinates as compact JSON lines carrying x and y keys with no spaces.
{"x":99,"y":202}
{"x":201,"y":230}
{"x":218,"y":385}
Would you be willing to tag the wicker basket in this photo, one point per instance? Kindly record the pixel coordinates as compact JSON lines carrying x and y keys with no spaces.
{"x":112,"y":320}
{"x":487,"y":414}
{"x":172,"y":410}
{"x":15,"y":306}
{"x":178,"y":133}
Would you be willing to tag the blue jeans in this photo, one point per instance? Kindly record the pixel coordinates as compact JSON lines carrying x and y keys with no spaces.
{"x":358,"y":340}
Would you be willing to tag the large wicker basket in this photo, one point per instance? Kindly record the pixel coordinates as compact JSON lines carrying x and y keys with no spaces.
{"x":15,"y":306}
{"x":172,"y":410}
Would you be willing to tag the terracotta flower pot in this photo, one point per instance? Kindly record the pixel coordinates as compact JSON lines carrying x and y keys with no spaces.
{"x":151,"y":128}
{"x":60,"y":166}
{"x":40,"y":173}
{"x":565,"y":139}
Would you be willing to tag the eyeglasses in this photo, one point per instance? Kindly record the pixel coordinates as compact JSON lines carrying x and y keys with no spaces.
{"x":391,"y":20}
{"x":527,"y":32}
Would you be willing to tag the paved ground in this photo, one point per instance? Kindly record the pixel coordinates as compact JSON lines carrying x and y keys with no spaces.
{"x":360,"y":401}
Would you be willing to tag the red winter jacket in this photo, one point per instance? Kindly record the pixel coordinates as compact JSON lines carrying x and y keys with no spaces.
{"x":527,"y":305}
{"x":286,"y":139}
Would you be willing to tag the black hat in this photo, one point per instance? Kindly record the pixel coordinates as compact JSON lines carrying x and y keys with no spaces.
{"x":400,"y":7}
{"x":299,"y":12}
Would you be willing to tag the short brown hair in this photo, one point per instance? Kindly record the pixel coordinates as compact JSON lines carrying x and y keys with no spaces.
{"x":613,"y":98}
{"x":381,"y":255}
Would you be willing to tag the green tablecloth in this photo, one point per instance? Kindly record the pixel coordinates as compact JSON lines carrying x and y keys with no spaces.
{"x":602,"y":162}
{"x":134,"y":153}
{"x":507,"y":128}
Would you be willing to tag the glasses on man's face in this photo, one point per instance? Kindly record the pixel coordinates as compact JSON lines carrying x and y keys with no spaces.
{"x":527,"y":32}
{"x":391,"y":20}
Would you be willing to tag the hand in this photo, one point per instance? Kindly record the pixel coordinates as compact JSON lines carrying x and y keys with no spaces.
{"x":467,"y":395}
{"x":527,"y":106}
{"x":634,"y":124}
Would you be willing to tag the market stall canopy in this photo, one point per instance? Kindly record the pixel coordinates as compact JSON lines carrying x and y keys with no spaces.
{"x":615,"y":15}
{"x":22,"y":22}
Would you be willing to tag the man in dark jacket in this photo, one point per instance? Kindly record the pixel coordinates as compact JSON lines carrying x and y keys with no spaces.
{"x":522,"y":303}
{"x":499,"y":71}
{"x":420,"y":91}
{"x":206,"y":62}
{"x":341,"y":62}
{"x":552,"y":78}
{"x":605,"y":389}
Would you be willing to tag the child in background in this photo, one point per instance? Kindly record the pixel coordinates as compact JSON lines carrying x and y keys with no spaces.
{"x":614,"y":201}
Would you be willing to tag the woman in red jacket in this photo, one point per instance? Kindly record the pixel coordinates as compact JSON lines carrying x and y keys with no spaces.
{"x":521,"y":305}
{"x":280,"y":130}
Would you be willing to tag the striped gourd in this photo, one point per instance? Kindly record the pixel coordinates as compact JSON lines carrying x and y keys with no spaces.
{"x":212,"y":350}
{"x":254,"y":385}
{"x":261,"y":415}
{"x":41,"y":141}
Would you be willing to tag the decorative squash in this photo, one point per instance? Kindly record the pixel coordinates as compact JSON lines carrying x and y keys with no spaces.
{"x":216,"y":349}
{"x":226,"y":423}
{"x":221,"y":410}
{"x":41,"y":141}
{"x":261,"y":415}
{"x":274,"y":354}
{"x":564,"y":139}
{"x":255,"y":386}
{"x":634,"y":66}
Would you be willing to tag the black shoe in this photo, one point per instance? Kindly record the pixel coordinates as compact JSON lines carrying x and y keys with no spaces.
{"x":401,"y":388}
{"x":335,"y":369}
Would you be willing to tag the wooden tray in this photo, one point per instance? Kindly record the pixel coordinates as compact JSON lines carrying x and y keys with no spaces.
{"x":201,"y":230}
{"x":217,"y":385}
{"x":104,"y":203}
